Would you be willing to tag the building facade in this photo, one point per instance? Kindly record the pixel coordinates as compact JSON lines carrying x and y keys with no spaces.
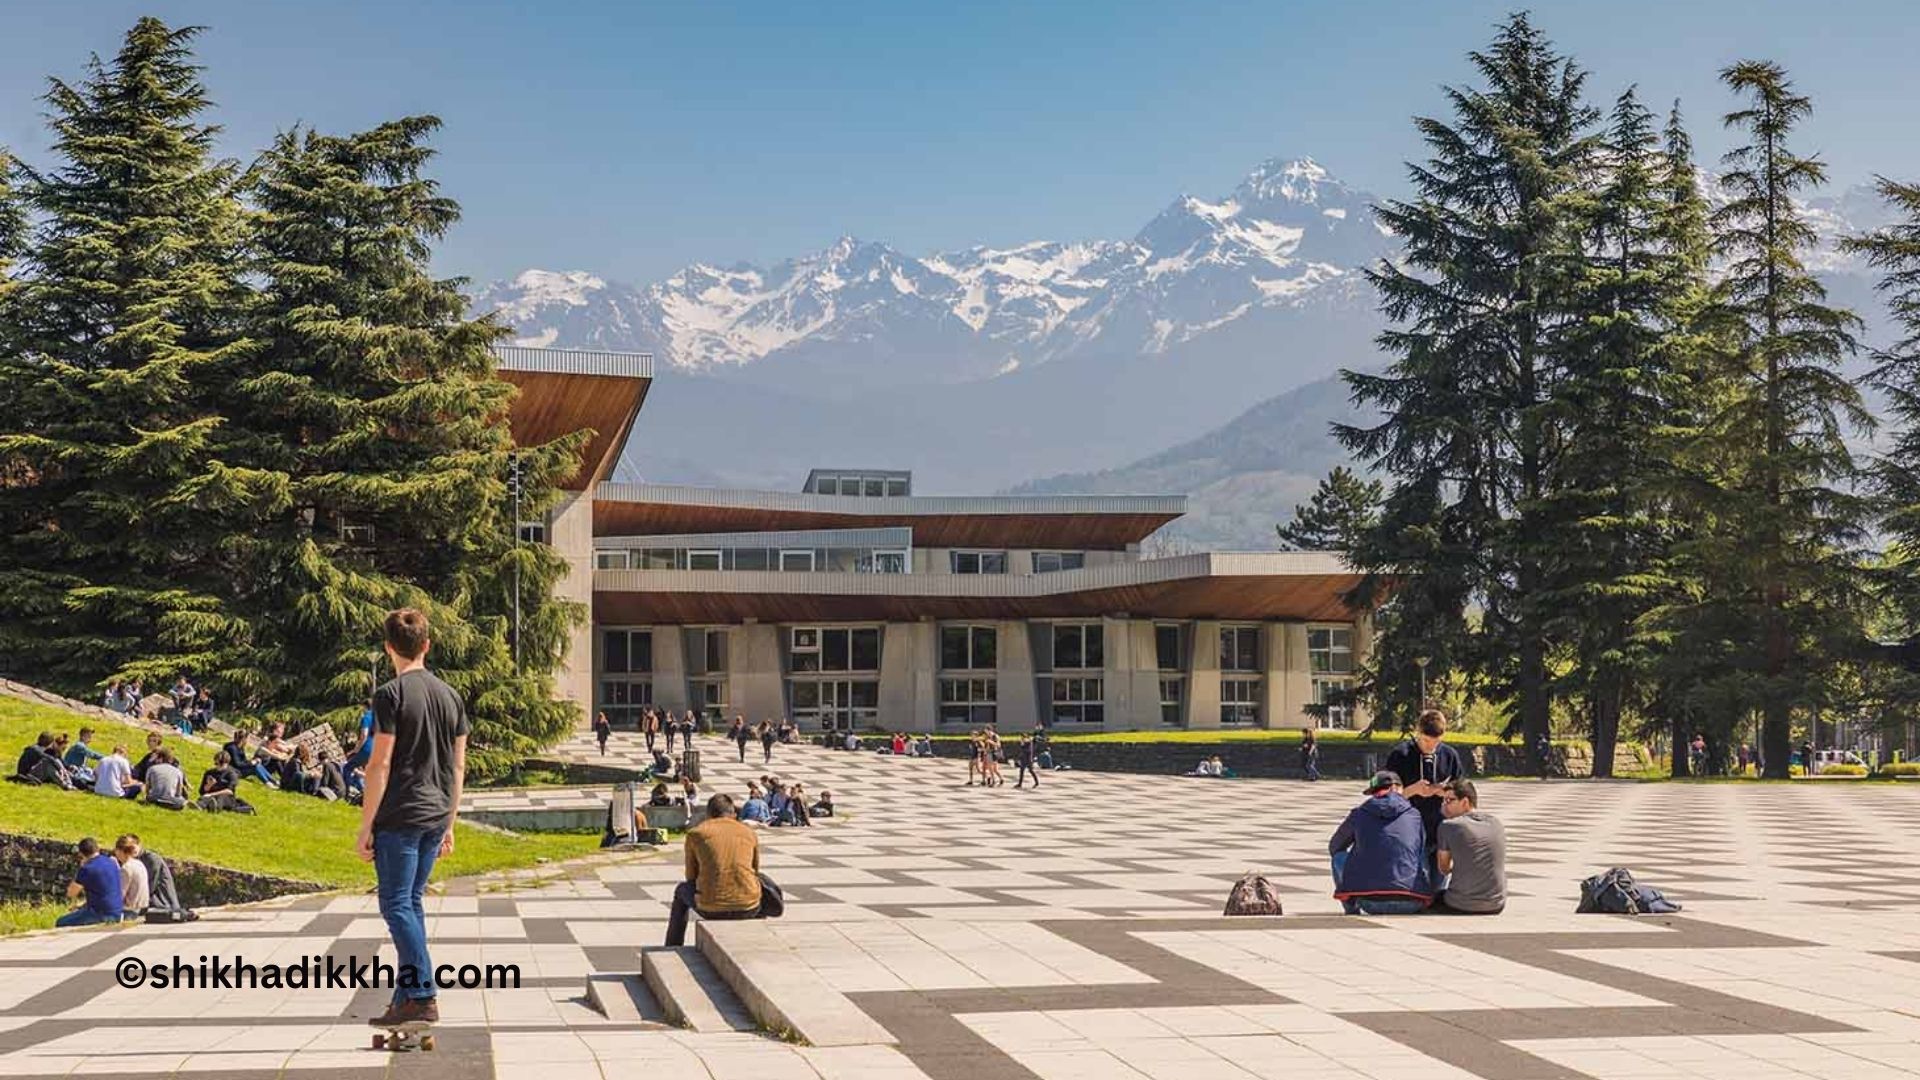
{"x":855,"y":604}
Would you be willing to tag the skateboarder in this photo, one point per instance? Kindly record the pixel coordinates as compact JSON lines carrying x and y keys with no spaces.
{"x":414,"y":779}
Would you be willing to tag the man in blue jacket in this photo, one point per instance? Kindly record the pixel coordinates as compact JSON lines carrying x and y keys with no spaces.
{"x":1380,"y":854}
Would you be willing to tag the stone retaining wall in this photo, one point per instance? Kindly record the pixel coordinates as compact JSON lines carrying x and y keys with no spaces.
{"x":33,"y":868}
{"x":1341,"y":760}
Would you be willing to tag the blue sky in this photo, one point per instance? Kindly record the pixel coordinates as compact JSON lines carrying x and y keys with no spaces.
{"x":631,"y":138}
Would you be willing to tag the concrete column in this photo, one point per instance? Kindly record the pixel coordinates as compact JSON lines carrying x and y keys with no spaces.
{"x":1132,"y":676}
{"x":1292,"y":674}
{"x":670,"y":668}
{"x":909,"y":666}
{"x":1017,"y":709}
{"x":1277,"y":708}
{"x":755,"y":685}
{"x":1362,"y":656}
{"x":571,"y":536}
{"x":1203,"y":685}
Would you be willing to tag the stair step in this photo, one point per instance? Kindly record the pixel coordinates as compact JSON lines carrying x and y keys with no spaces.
{"x":624,"y":998}
{"x":691,"y":993}
{"x":781,"y":991}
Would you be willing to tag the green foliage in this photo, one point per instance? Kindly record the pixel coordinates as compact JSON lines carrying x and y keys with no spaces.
{"x":1343,"y":507}
{"x":1900,"y":768}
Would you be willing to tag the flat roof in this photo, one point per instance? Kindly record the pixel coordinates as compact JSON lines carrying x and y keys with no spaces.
{"x":567,"y":390}
{"x":992,"y":521}
{"x":1209,"y":585}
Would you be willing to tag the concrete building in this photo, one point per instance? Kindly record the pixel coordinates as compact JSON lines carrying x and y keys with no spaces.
{"x":856,"y":604}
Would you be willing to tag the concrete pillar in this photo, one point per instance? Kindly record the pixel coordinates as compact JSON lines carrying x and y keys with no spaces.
{"x":669,"y":668}
{"x":755,"y":685}
{"x":909,"y":667}
{"x":1362,"y":656}
{"x":1203,"y":685}
{"x":1017,"y":707}
{"x":1292,"y":674}
{"x":571,"y":537}
{"x":1132,"y":675}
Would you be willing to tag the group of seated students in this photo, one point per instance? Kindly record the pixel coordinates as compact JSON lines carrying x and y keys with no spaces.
{"x":899,"y":745}
{"x":276,"y":762}
{"x":1212,"y":766}
{"x":157,"y":778}
{"x":191,"y":707}
{"x":128,"y":882}
{"x":773,"y":803}
{"x":1420,"y":842}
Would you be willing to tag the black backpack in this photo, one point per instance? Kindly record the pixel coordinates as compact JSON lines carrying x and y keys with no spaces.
{"x":1614,"y":892}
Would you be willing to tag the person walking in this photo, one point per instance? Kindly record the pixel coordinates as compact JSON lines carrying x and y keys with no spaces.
{"x":602,"y":729}
{"x":741,"y":736}
{"x":1309,"y":754}
{"x":1025,"y":753}
{"x":669,"y":727}
{"x":766,"y":741}
{"x":414,"y":780}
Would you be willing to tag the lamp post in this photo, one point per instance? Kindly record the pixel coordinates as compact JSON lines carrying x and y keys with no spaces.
{"x":513,"y":484}
{"x":1422,"y":662}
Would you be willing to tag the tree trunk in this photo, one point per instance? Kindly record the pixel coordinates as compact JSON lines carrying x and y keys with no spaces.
{"x":1606,"y":723}
{"x":1679,"y":742}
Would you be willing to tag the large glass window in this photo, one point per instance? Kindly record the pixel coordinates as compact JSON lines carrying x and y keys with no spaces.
{"x":969,"y":648}
{"x":969,"y":701}
{"x":801,"y":561}
{"x":1239,"y":648}
{"x":623,"y":700}
{"x":1239,"y":702}
{"x":1167,"y":647}
{"x":623,"y":651}
{"x":716,"y":650}
{"x":1046,"y":562}
{"x":1077,"y":701}
{"x":1078,"y":645}
{"x":1332,"y":693}
{"x":610,"y":560}
{"x":703,"y":560}
{"x":835,"y":704}
{"x":1173,"y":696}
{"x":979,"y":562}
{"x":1330,"y":650}
{"x":834,"y":648}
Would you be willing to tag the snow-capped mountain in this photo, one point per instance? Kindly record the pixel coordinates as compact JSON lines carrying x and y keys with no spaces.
{"x":1287,"y":232}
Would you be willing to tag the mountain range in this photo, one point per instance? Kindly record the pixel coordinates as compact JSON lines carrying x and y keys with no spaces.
{"x":1198,"y":356}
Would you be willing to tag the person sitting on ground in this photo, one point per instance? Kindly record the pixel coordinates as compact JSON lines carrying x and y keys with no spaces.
{"x":133,"y":877}
{"x":166,"y":784}
{"x":689,"y":791}
{"x":115,"y":699}
{"x":276,"y":749}
{"x":297,"y":772}
{"x":660,"y":796}
{"x":754,"y":810}
{"x":787,"y":730}
{"x":82,"y":776}
{"x":136,"y":700}
{"x":331,"y":778}
{"x":662,"y":764}
{"x":40,"y":764}
{"x":1378,"y":853}
{"x":722,"y":872}
{"x":1473,"y":849}
{"x":162,"y":896}
{"x":1206,"y":767}
{"x":182,"y":696}
{"x":236,"y":751}
{"x":899,"y":744}
{"x":797,"y":807}
{"x":823,"y":808}
{"x":219,"y":786}
{"x":80,"y":755}
{"x":113,"y":777}
{"x":851,"y":742}
{"x":147,"y":759}
{"x":200,"y":716}
{"x":923,"y":746}
{"x":97,"y":883}
{"x":777,"y":801}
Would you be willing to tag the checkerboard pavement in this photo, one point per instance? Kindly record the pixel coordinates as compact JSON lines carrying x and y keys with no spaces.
{"x":1075,"y":931}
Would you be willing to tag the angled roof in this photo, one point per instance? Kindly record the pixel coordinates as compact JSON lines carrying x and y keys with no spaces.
{"x":1109,"y":522}
{"x":567,"y":390}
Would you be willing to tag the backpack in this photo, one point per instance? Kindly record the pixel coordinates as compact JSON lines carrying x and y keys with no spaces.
{"x":1614,"y":892}
{"x":1253,"y":894}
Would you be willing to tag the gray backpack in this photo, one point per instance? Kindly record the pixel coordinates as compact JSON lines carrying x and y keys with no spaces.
{"x":1253,"y":894}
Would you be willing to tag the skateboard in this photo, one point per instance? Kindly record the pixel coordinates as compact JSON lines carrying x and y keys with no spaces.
{"x":403,"y":1037}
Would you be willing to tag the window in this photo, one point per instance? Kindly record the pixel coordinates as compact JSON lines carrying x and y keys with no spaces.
{"x":834,"y":649}
{"x":968,"y":701}
{"x":1330,"y":650}
{"x":1078,"y":645}
{"x":716,"y":650}
{"x":609,"y":560}
{"x":710,"y":697}
{"x":1046,"y":562}
{"x":896,"y":486}
{"x":876,"y":487}
{"x":979,"y":562}
{"x":1173,"y":693}
{"x":1332,"y":693}
{"x":835,"y":704}
{"x":703,"y":560}
{"x":623,"y":700}
{"x":881,"y":562}
{"x":654,"y":559}
{"x":533,"y":532}
{"x":623,"y":651}
{"x":969,"y":648}
{"x":356,"y":535}
{"x":1166,"y":647}
{"x":828,"y":485}
{"x":1078,"y":701}
{"x":1239,"y":648}
{"x":1239,"y":702}
{"x":797,"y":560}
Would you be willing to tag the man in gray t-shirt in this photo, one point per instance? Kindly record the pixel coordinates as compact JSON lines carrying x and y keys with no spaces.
{"x":1472,"y":846}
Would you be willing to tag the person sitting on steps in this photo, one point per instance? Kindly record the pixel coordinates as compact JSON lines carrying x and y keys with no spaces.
{"x":722,"y":872}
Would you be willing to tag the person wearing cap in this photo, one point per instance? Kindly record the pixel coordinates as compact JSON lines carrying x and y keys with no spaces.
{"x":1379,"y":854}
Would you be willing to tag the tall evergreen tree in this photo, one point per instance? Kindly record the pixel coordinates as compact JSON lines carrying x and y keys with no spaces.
{"x":1477,"y":303}
{"x":373,"y":395}
{"x":1786,"y":595}
{"x":125,"y":319}
{"x":1342,"y":508}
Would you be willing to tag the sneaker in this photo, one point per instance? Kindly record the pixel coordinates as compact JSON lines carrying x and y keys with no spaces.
{"x":408,"y":1011}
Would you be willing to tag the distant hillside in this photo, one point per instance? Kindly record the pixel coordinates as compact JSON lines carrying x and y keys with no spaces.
{"x":1242,"y":478}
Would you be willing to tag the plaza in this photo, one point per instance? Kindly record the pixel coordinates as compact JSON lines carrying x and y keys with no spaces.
{"x":936,"y":930}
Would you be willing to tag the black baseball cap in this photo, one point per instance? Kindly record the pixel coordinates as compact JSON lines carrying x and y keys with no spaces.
{"x":1382,"y":780}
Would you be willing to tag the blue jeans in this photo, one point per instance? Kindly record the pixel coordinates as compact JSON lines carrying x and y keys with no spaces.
{"x":402,"y":862}
{"x":84,"y":916}
{"x":1371,"y":905}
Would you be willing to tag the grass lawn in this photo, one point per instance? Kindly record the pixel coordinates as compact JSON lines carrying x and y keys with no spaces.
{"x":292,"y":836}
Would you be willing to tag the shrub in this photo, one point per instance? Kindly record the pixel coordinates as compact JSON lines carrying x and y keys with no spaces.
{"x":1900,"y":768}
{"x":1842,"y":769}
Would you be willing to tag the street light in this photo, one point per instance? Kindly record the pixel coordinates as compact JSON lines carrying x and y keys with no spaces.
{"x":1422,"y":662}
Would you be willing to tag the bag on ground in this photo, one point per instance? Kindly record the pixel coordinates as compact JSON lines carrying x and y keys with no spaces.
{"x":1253,"y":894}
{"x":1615,"y":892}
{"x":773,"y":902}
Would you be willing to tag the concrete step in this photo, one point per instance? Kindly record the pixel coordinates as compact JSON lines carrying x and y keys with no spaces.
{"x":624,"y":998}
{"x":691,"y":993}
{"x":781,"y":990}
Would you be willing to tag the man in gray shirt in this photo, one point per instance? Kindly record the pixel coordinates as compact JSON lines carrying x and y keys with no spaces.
{"x":1472,"y":846}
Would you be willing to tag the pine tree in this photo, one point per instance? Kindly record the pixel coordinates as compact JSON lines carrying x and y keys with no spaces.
{"x":1477,"y":303}
{"x":1786,"y":527}
{"x":1341,"y":509}
{"x":374,"y":396}
{"x":115,"y":517}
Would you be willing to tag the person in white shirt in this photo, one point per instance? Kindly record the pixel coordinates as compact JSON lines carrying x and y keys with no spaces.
{"x":113,"y":776}
{"x":134,"y":894}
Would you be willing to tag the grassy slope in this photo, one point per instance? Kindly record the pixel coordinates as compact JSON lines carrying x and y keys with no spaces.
{"x":293,"y":836}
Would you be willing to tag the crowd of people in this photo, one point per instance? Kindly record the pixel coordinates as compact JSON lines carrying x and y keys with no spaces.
{"x":189,"y":708}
